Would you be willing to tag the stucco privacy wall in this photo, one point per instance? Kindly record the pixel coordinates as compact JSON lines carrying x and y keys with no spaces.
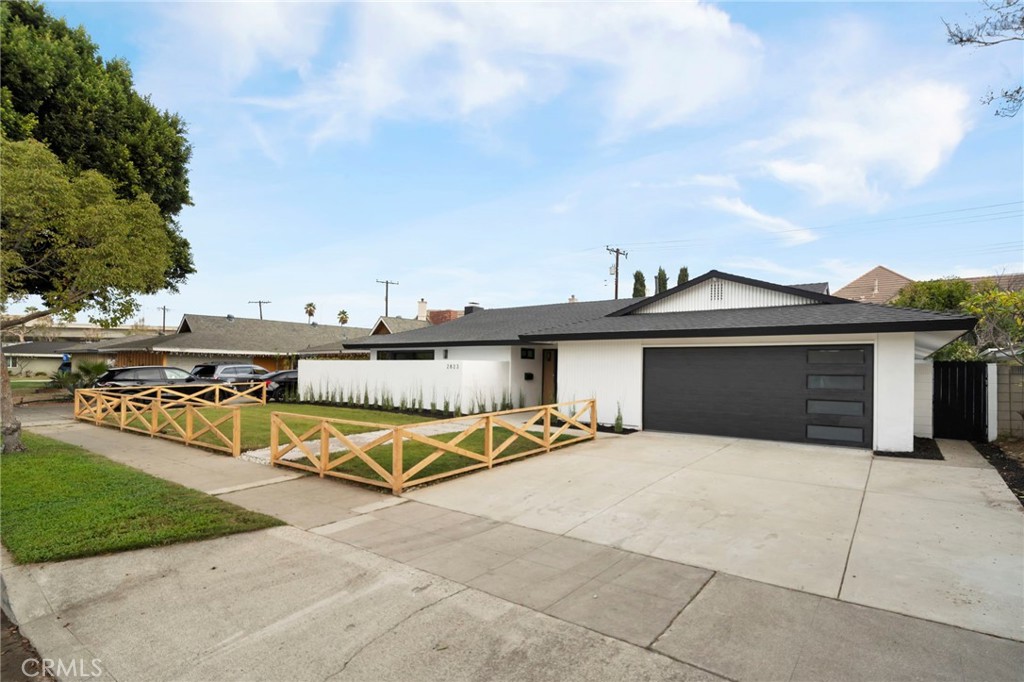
{"x":1010,"y":396}
{"x":612,"y":372}
{"x":431,"y":381}
{"x":924,"y":388}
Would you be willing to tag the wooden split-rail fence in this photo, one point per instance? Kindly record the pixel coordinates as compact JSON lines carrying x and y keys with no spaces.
{"x":172,"y":413}
{"x":545,"y":427}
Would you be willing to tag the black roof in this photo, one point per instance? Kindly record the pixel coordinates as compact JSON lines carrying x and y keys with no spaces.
{"x":38,"y":347}
{"x":624,"y":318}
{"x":795,"y":319}
{"x":497,"y":327}
{"x":816,"y":287}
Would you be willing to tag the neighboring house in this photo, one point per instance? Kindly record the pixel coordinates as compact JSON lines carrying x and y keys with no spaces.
{"x":34,"y":357}
{"x":209,"y":338}
{"x":881,"y":285}
{"x":396,"y":325}
{"x":720,"y":354}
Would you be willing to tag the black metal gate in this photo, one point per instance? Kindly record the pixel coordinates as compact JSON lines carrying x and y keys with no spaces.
{"x":959,"y":405}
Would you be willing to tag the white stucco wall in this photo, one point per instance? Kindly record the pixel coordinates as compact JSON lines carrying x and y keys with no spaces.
{"x":519,"y":367}
{"x":923,"y":391}
{"x":466,"y":381}
{"x":894,"y":392}
{"x":612,"y":372}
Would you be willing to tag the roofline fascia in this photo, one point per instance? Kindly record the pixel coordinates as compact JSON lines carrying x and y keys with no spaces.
{"x":852,"y":328}
{"x":717,"y":274}
{"x":435,"y":344}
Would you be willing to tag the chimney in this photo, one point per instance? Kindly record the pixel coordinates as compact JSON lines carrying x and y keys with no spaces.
{"x":573,"y":299}
{"x":421,"y":310}
{"x":472,"y":308}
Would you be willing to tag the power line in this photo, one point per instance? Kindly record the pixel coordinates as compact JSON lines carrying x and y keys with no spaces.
{"x":387,"y":288}
{"x":260,"y":304}
{"x":618,"y":252}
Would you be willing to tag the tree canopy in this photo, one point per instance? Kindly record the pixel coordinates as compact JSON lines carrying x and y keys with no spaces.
{"x":71,"y":240}
{"x":1001,"y":22}
{"x":639,"y":285}
{"x":660,"y":281}
{"x":938,"y":294}
{"x":684,"y":276}
{"x":57,"y":89}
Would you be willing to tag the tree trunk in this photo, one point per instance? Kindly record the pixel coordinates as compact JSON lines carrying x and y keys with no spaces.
{"x":11,"y":426}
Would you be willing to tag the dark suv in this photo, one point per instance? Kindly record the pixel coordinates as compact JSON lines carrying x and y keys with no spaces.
{"x":282,"y":385}
{"x":147,"y":376}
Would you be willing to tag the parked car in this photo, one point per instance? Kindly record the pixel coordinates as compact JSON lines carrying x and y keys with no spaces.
{"x":154,"y":375}
{"x":232,"y":374}
{"x":282,"y":385}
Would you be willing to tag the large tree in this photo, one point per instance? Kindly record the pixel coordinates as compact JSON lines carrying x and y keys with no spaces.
{"x":660,"y":281}
{"x":639,"y":285}
{"x":937,"y":294}
{"x":69,"y":239}
{"x":1001,"y":22}
{"x":684,"y":276}
{"x":57,"y":89}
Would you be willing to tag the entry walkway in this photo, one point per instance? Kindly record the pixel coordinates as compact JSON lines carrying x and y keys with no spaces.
{"x":384,"y":588}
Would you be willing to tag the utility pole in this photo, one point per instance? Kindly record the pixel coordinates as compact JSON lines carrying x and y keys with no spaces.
{"x":260,"y":304}
{"x":618,"y":252}
{"x":163,"y":323}
{"x":387,"y":288}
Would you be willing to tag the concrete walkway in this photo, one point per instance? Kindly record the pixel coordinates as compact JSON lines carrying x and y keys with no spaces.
{"x":378,"y":587}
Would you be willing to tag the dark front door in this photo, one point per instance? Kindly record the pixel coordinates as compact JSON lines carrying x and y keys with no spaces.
{"x":819,"y":394}
{"x":959,"y":400}
{"x":549,"y":377}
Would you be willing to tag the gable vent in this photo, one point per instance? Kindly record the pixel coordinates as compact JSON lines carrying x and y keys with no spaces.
{"x":716,"y":290}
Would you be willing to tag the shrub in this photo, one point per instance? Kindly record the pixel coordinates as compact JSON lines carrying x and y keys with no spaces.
{"x":618,"y":419}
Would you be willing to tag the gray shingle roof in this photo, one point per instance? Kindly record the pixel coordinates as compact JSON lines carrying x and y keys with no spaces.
{"x":243,"y":336}
{"x":499,"y":326}
{"x":37,"y":348}
{"x":821,"y":318}
{"x":814,"y":287}
{"x":112,"y":345}
{"x":397,"y":325}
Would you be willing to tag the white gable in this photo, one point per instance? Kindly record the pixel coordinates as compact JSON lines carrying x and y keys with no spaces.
{"x":723,"y":294}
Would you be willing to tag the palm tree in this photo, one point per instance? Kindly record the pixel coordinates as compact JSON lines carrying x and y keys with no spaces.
{"x":310,"y":311}
{"x":342,"y":317}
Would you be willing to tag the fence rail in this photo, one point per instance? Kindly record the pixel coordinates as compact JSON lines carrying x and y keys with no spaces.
{"x":555,"y":425}
{"x":164,"y":414}
{"x":212,"y":395}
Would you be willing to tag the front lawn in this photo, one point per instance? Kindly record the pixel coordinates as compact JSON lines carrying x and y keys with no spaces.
{"x":59,"y":502}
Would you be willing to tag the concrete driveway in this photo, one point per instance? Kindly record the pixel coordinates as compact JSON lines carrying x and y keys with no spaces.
{"x":942,"y":541}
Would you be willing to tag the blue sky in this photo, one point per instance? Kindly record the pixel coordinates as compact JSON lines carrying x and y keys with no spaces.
{"x":490,"y":152}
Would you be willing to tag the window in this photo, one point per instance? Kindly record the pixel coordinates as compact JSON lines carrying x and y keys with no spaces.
{"x":847,"y":434}
{"x":175,"y":373}
{"x":844,"y":407}
{"x":12,"y":362}
{"x":527,"y":353}
{"x":205,"y":371}
{"x":258,"y":371}
{"x":150,"y":374}
{"x":445,"y":356}
{"x":405,"y":355}
{"x":130,"y":375}
{"x":838,"y":356}
{"x":845,"y":382}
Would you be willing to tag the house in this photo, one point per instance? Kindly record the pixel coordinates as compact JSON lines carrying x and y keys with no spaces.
{"x":881,"y":285}
{"x":210,"y":338}
{"x":396,"y":325}
{"x":34,"y":358}
{"x":720,"y":354}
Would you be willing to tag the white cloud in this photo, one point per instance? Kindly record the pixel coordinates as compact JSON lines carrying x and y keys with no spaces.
{"x":764,"y":265}
{"x":698,"y":180}
{"x":854,"y":145}
{"x":787,"y":231}
{"x":656,"y":65}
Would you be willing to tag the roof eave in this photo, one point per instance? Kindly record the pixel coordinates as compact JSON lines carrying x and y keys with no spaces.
{"x":850,"y":328}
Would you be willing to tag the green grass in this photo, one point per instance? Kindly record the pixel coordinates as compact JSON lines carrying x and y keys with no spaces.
{"x":413,"y":452}
{"x":256,"y":421}
{"x":59,"y":502}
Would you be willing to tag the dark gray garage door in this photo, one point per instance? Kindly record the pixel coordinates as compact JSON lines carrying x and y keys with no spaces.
{"x":818,"y":394}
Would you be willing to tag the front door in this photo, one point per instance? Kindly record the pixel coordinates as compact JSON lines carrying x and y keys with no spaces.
{"x":549,"y":377}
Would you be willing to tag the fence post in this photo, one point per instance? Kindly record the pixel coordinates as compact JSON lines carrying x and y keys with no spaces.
{"x":236,"y":432}
{"x":123,"y":411}
{"x":189,"y":424}
{"x":78,"y":403}
{"x":274,"y":438}
{"x":397,"y":463}
{"x":547,"y":427}
{"x":325,"y":447}
{"x":154,"y":423}
{"x":489,"y":440}
{"x":593,"y":417}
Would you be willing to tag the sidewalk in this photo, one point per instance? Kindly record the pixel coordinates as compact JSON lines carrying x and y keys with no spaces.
{"x":369,"y":586}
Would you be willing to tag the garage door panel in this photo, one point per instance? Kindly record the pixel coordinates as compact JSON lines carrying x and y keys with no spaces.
{"x":792,"y":393}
